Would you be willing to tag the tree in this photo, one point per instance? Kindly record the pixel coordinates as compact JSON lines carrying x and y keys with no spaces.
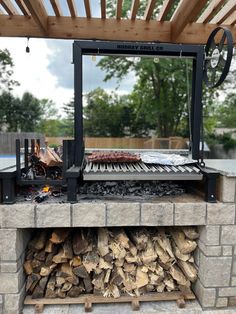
{"x":6,"y":71}
{"x":226,"y":113}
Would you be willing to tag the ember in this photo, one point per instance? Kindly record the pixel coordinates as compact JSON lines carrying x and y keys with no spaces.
{"x":131,"y":188}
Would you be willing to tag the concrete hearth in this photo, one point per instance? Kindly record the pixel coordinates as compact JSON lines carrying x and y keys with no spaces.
{"x":215,"y":257}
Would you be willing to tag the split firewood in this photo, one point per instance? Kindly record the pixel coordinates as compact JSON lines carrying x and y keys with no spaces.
{"x":50,"y":289}
{"x":98,"y":281}
{"x":178,"y":276}
{"x":40,"y":256}
{"x":163,"y":256}
{"x":73,"y":279}
{"x":32,"y":281}
{"x":39,"y":241}
{"x":59,"y":281}
{"x":81,"y":272}
{"x":36,"y":265}
{"x":88,"y":285}
{"x":122,"y":239}
{"x":61,"y":294}
{"x":104,"y":265}
{"x":66,"y":270}
{"x":58,"y":258}
{"x":67,"y":249}
{"x":112,"y":291}
{"x":59,"y":235}
{"x":132,"y":259}
{"x":185,"y":245}
{"x":141,"y":278}
{"x":116,"y":278}
{"x":128,"y":267}
{"x":189,"y":270}
{"x":49,"y":247}
{"x":107,"y":276}
{"x":169,"y":283}
{"x":190,"y":232}
{"x":140,"y":238}
{"x":66,"y":287}
{"x":75,"y":291}
{"x":178,"y":254}
{"x":102,"y":243}
{"x":47,"y":270}
{"x":149,"y":254}
{"x":75,"y":261}
{"x":90,"y":261}
{"x":40,"y":288}
{"x":118,"y":252}
{"x":79,"y":242}
{"x":160,"y":288}
{"x":28,"y":267}
{"x":119,"y":262}
{"x":164,"y":242}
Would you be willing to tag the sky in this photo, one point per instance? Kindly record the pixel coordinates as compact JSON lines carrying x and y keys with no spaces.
{"x":47,"y":71}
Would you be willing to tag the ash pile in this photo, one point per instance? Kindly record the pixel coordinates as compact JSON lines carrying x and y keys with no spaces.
{"x":128,"y":189}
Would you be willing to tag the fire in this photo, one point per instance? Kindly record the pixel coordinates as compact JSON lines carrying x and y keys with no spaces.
{"x":46,"y":188}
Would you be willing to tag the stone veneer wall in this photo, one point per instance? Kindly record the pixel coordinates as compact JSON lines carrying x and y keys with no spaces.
{"x":215,"y":257}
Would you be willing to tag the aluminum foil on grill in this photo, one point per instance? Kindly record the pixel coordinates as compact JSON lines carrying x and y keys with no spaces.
{"x":165,"y":159}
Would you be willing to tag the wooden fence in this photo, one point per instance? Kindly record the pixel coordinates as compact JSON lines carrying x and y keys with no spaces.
{"x":127,"y":142}
{"x":8,"y":141}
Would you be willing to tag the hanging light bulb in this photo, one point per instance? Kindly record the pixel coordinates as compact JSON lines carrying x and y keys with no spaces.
{"x":27,"y":49}
{"x":156,"y":60}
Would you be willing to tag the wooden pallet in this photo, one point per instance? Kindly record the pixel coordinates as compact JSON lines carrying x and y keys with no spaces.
{"x":89,"y":299}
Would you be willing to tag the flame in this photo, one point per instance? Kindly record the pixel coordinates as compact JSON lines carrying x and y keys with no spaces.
{"x":46,"y":188}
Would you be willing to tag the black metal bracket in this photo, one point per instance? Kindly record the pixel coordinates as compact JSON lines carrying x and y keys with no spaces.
{"x":210,"y":177}
{"x":72,"y":176}
{"x":8,"y":187}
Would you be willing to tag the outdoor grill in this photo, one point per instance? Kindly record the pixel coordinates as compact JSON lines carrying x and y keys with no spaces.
{"x":77,"y":168}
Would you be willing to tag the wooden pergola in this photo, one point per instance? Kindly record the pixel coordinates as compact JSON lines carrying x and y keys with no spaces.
{"x":190,"y":23}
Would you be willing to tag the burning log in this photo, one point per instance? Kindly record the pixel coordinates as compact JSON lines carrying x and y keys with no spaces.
{"x":110,"y":262}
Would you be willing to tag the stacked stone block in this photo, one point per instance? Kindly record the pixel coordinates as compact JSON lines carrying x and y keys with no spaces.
{"x":215,"y":256}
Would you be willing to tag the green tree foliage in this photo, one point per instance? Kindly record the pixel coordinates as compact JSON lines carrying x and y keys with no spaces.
{"x":6,"y":71}
{"x":106,"y":114}
{"x":160,"y":96}
{"x":226,"y":113}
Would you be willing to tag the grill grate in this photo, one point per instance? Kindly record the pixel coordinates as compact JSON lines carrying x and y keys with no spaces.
{"x":139,"y":171}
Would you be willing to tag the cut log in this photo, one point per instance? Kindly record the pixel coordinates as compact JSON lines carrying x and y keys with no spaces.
{"x":36,"y":265}
{"x":178,"y":276}
{"x":169,"y":283}
{"x":79,"y":242}
{"x":102,"y":243}
{"x":76,"y":261}
{"x":122,"y":239}
{"x":88,"y":285}
{"x":31,"y":282}
{"x":39,"y":241}
{"x":104,"y":265}
{"x":66,"y":287}
{"x":61,"y":294}
{"x":67,"y":249}
{"x":40,"y":256}
{"x":28,"y":267}
{"x":50,"y":290}
{"x":149,"y":255}
{"x":185,"y":246}
{"x":59,"y":281}
{"x":81,"y":272}
{"x":75,"y":291}
{"x":73,"y":279}
{"x":59,"y":235}
{"x":107,"y":276}
{"x":90,"y":261}
{"x":160,"y":288}
{"x":46,"y":270}
{"x":190,"y":233}
{"x":140,"y":238}
{"x":189,"y":270}
{"x":141,"y":278}
{"x":164,"y":242}
{"x":39,"y":290}
{"x":178,"y":254}
{"x":49,"y":247}
{"x":98,"y":281}
{"x":58,"y":258}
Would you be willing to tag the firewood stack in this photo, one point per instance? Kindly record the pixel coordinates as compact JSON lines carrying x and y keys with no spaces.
{"x":110,"y":262}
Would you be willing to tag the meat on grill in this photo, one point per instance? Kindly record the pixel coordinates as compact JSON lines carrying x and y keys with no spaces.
{"x":113,"y":157}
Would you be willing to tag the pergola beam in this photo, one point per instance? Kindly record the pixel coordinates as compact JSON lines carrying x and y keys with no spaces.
{"x":134,"y":9}
{"x":108,"y":29}
{"x":56,"y":7}
{"x":9,"y":7}
{"x":165,"y":9}
{"x":226,"y":11}
{"x":149,"y":10}
{"x":38,"y":13}
{"x":87,"y":8}
{"x":72,"y":8}
{"x":231,"y":20}
{"x":23,"y":7}
{"x":186,"y":12}
{"x":119,"y":9}
{"x":210,"y":11}
{"x":103,"y":9}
